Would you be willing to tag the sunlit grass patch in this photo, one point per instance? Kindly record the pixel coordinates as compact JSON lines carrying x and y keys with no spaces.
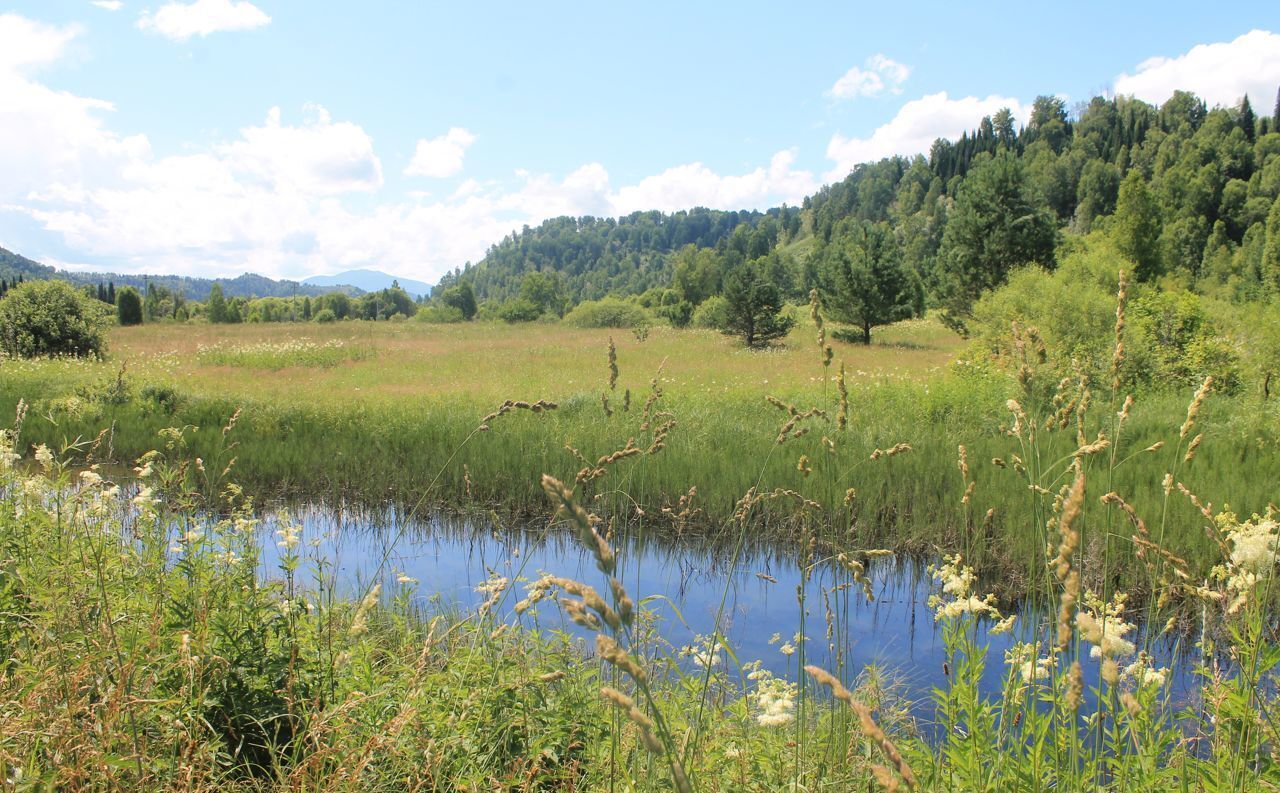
{"x":283,"y":355}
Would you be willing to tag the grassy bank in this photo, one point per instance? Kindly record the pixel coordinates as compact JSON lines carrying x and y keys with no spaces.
{"x":144,"y":649}
{"x":375,"y":413}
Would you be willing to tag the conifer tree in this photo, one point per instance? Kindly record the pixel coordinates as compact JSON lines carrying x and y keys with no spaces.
{"x":754,"y":306}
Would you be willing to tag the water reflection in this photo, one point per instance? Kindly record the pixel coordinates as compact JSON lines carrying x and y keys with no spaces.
{"x":691,"y":586}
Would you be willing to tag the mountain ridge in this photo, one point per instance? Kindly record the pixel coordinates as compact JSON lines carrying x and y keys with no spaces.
{"x":244,"y":285}
{"x":370,"y":281}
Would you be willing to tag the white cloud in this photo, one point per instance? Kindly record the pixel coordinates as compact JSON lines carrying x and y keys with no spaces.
{"x":49,"y":139}
{"x":181,"y":21}
{"x":287,"y":197}
{"x":695,"y":184}
{"x":442,"y":156}
{"x":319,"y":157}
{"x":110,"y":5}
{"x":26,"y":45}
{"x":881,"y":74}
{"x":1220,"y":73}
{"x":916,"y":126}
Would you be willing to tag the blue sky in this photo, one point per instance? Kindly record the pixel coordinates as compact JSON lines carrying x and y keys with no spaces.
{"x":293,"y":137}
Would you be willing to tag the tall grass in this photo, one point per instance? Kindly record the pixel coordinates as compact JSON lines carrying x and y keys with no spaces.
{"x":144,"y":649}
{"x":372,"y":452}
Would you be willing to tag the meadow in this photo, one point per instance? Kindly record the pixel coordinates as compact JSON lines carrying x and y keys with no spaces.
{"x":391,"y":413}
{"x":146,"y":646}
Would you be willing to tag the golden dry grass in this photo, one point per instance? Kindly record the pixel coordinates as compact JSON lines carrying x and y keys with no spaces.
{"x":487,"y":363}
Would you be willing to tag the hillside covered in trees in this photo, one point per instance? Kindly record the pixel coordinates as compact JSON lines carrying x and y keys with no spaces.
{"x":1190,"y":195}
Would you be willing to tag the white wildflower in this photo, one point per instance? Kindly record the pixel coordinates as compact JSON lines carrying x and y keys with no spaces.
{"x":44,"y":457}
{"x":1101,"y":625}
{"x":775,"y":699}
{"x":957,"y":596}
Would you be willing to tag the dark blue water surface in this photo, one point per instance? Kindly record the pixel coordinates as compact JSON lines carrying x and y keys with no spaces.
{"x":691,"y":586}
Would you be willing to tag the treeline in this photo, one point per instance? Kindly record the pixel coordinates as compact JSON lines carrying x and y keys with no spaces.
{"x":595,"y":257}
{"x":163,"y":305}
{"x":14,"y":268}
{"x":1189,"y":195}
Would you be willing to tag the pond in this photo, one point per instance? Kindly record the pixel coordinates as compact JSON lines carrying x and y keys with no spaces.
{"x":689,"y":586}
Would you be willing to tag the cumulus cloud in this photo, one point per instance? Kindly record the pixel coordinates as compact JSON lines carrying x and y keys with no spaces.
{"x":916,"y":126}
{"x":26,"y":45}
{"x":181,"y":21}
{"x":319,"y":156}
{"x":293,"y":194}
{"x":49,"y":139}
{"x":879,"y":75}
{"x":693,"y":185}
{"x":110,"y":5}
{"x":442,"y":156}
{"x":1220,"y":73}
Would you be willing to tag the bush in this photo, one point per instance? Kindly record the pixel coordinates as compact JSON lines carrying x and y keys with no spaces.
{"x":679,"y":314}
{"x":712,"y":313}
{"x":440,"y":313}
{"x":607,"y":313}
{"x":519,"y":310}
{"x":325,"y":315}
{"x":51,"y":318}
{"x":129,"y":306}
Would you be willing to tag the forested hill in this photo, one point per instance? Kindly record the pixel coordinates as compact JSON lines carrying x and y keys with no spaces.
{"x":595,"y":257}
{"x":1184,"y":191}
{"x":13,"y":266}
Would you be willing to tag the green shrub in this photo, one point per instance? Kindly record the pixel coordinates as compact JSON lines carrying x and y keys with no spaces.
{"x":519,"y":310}
{"x":325,"y":315}
{"x":439,"y":313}
{"x":712,"y":313}
{"x":607,"y":313}
{"x":129,"y":306}
{"x":679,"y":314}
{"x":39,"y":318}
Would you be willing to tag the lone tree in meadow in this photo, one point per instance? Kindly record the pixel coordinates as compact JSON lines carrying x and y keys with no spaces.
{"x":754,"y":306}
{"x":129,"y":306}
{"x":40,"y":318}
{"x":217,"y":306}
{"x":866,"y":282}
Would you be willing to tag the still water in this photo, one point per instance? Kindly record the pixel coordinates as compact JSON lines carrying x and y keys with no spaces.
{"x":689,"y":585}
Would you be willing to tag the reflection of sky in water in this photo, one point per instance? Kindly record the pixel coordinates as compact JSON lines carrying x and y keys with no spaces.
{"x":686,"y":587}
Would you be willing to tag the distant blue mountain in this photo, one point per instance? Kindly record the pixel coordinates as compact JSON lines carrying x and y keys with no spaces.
{"x":369,"y":281}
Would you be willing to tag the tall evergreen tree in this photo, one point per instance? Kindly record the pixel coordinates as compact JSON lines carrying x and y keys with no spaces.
{"x":1136,"y":226}
{"x":866,"y":282}
{"x":217,"y":305}
{"x":754,"y":306}
{"x":1248,"y":120}
{"x":998,"y":223}
{"x":129,"y":306}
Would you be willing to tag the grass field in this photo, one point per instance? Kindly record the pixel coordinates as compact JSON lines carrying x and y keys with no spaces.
{"x":388,"y":412}
{"x":175,"y":665}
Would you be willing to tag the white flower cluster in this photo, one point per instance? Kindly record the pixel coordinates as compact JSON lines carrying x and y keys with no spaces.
{"x":1144,"y":672}
{"x":1100,"y":625}
{"x":705,"y":652}
{"x":774,"y":698}
{"x":957,"y":598}
{"x":1254,"y":545}
{"x":1024,"y":658}
{"x":8,"y":457}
